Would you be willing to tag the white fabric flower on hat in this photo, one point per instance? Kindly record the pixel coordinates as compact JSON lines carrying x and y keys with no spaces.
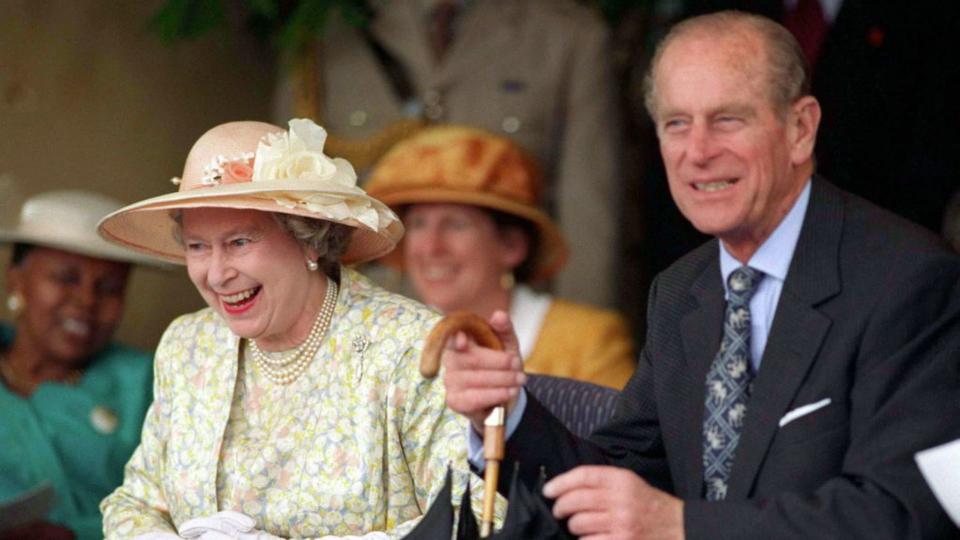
{"x":297,"y":154}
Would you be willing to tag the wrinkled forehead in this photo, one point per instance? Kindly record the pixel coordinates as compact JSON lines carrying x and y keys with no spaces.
{"x":213,"y":221}
{"x":737,"y":50}
{"x":735,"y":58}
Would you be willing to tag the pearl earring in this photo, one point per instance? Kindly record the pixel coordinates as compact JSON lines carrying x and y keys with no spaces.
{"x":15,"y":303}
{"x":312,"y":265}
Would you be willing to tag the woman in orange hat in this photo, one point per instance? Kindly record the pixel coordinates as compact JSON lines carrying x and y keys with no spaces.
{"x":477,"y":237}
{"x":72,"y":400}
{"x":292,"y":405}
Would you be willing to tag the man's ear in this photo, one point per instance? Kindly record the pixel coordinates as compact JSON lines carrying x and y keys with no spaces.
{"x":804,"y":120}
{"x":515,"y":246}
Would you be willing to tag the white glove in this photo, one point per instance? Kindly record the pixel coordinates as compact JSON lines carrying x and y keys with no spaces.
{"x":157,"y":536}
{"x":249,"y":535}
{"x":224,"y":525}
{"x":369,"y":536}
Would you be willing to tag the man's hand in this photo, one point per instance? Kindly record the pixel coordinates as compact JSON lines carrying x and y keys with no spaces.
{"x":479,"y":379}
{"x":609,"y":503}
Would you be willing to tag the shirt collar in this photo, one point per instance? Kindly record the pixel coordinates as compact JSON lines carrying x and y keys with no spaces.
{"x":775,"y":253}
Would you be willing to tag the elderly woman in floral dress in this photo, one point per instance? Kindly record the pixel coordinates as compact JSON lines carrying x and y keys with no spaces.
{"x":292,"y":406}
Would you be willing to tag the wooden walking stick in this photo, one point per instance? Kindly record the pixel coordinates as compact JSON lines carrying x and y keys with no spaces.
{"x":493,"y":438}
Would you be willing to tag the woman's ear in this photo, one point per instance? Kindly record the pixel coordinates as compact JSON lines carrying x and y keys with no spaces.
{"x":13,"y":278}
{"x":310,"y":254}
{"x":515,"y":247}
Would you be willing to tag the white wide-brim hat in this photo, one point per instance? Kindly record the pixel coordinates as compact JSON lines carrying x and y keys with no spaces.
{"x":259,"y":166}
{"x":67,"y":220}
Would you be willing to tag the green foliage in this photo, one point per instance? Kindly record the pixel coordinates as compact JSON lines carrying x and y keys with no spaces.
{"x":292,"y":23}
{"x":189,"y":19}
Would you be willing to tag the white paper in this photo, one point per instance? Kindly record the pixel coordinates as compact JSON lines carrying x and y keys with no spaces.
{"x":940,"y":466}
{"x":27,"y":507}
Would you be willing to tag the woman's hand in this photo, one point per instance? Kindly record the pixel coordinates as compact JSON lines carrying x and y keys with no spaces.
{"x":39,"y":530}
{"x":226,"y":525}
{"x":478,"y":379}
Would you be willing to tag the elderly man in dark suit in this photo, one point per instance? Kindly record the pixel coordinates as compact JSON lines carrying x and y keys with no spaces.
{"x":792,"y":366}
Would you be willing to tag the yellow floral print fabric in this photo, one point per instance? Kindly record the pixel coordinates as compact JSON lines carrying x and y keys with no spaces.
{"x":359,"y":443}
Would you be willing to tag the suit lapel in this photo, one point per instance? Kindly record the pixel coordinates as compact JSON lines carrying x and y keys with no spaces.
{"x":701,"y":330}
{"x":399,"y":27}
{"x":495,"y":25}
{"x":796,"y":335}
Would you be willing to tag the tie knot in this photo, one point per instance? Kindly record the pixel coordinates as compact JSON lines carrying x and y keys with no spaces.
{"x":742,"y":283}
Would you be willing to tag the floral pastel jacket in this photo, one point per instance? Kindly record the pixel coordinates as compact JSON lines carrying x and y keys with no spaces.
{"x":359,"y":443}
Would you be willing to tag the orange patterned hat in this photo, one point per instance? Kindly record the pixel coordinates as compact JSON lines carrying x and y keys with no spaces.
{"x":456,"y":164}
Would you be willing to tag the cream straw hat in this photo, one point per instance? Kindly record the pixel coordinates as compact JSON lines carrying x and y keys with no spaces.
{"x":253,"y":165}
{"x":67,"y":220}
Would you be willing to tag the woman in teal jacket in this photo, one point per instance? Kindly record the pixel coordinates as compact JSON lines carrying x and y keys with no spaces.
{"x":72,"y":403}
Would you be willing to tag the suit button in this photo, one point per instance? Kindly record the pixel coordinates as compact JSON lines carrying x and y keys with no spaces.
{"x":510,"y":124}
{"x":358,"y":118}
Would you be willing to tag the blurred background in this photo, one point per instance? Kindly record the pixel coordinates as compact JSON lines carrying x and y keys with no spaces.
{"x":109,"y":96}
{"x":91,"y":98}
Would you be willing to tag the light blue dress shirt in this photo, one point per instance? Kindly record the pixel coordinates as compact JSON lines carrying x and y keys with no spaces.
{"x":773,"y":258}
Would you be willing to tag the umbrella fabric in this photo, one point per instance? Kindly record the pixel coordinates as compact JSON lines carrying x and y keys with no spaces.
{"x":467,"y":528}
{"x":529,"y":517}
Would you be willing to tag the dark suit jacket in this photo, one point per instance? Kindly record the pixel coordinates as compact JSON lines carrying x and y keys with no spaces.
{"x":869,"y":317}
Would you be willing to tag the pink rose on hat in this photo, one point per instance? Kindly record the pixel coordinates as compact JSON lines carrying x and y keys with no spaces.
{"x":237,"y":171}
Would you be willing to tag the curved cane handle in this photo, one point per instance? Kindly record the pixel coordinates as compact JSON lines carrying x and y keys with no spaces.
{"x":458,"y":321}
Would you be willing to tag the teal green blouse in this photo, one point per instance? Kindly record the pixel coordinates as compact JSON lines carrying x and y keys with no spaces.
{"x":77,"y":438}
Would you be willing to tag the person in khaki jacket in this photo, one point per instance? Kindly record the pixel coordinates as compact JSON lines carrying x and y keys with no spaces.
{"x":475,"y":238}
{"x":537,"y":71}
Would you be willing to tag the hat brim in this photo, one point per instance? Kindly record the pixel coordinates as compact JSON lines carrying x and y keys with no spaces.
{"x":65,"y":242}
{"x":552,"y":251}
{"x":147,"y":226}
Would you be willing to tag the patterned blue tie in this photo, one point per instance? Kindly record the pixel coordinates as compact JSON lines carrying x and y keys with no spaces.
{"x":728,"y":385}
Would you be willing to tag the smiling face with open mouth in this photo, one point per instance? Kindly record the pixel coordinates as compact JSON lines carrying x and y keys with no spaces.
{"x":253,"y":273}
{"x":456,"y":255}
{"x":735,"y":162}
{"x":73,"y":304}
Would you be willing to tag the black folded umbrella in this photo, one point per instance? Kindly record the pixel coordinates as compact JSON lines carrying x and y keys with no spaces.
{"x":467,"y":527}
{"x":528,"y":517}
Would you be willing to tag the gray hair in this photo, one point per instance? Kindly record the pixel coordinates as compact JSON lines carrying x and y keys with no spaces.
{"x":330,"y":240}
{"x":787,"y":70}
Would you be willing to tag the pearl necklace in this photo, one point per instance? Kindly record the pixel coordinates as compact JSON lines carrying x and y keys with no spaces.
{"x":286,"y":368}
